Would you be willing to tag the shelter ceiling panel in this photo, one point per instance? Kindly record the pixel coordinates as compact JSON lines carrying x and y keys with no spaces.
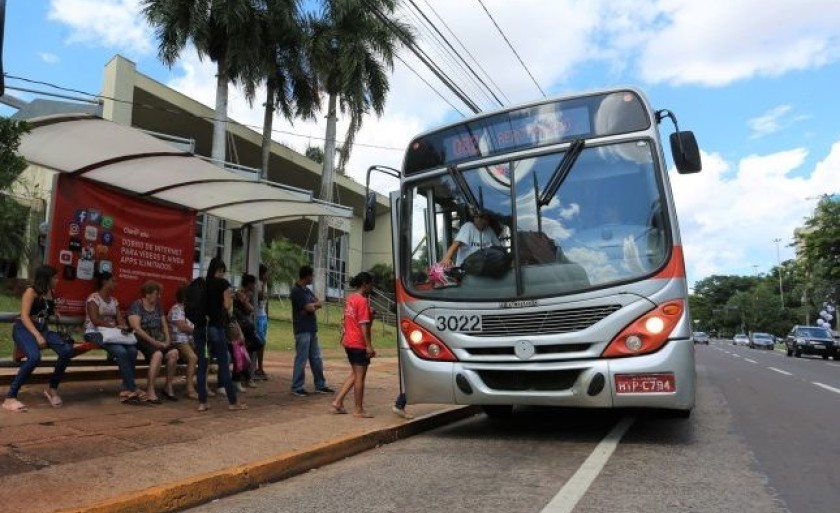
{"x":80,"y":143}
{"x":205,"y":195}
{"x":265,"y":211}
{"x":155,"y":173}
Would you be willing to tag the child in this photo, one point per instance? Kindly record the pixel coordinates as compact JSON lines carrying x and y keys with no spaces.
{"x":357,"y":344}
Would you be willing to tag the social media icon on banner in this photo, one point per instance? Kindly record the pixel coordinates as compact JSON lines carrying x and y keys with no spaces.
{"x":81,"y":215}
{"x":75,"y":244}
{"x":65,"y":257}
{"x":107,"y":238}
{"x":69,"y":272}
{"x":105,"y":266}
{"x":74,"y":229}
{"x":107,"y":222}
{"x":84,"y":269}
{"x":87,"y":253}
{"x":94,"y":216}
{"x":91,"y":233}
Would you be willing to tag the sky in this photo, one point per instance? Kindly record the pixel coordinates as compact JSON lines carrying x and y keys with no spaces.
{"x":758,"y":82}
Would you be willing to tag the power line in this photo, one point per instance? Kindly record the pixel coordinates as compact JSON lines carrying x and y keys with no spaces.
{"x":424,"y":58}
{"x":430,"y":86}
{"x":455,"y":36}
{"x":178,"y":112}
{"x":446,"y":55}
{"x":452,"y":48}
{"x":511,"y":47}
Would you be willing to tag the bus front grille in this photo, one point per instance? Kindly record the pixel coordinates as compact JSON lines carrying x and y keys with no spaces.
{"x":547,"y":349}
{"x":525,"y":381}
{"x":543,"y":323}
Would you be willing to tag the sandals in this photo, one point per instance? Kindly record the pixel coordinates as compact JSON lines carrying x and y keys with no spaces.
{"x":14,"y":406}
{"x":238,"y":406}
{"x":131,"y":398}
{"x":338,"y":410}
{"x":54,"y":399}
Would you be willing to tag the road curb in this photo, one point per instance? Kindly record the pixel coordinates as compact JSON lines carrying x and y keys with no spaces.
{"x":203,"y":488}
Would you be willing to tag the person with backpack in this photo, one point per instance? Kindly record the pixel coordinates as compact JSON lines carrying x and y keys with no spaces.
{"x":208,"y":303}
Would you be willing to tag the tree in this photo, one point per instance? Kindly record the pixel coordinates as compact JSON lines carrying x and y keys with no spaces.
{"x":13,"y":215}
{"x":221,"y":30}
{"x":283,"y":258}
{"x":820,"y":253}
{"x":315,"y":153}
{"x":383,"y":275}
{"x":352,"y":48}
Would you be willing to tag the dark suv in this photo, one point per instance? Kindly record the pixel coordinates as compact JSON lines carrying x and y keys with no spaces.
{"x":810,"y":340}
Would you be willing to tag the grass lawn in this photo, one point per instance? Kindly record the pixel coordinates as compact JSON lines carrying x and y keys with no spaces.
{"x":280,"y":335}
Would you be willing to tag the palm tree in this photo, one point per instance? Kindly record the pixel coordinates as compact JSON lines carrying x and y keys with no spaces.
{"x":352,"y":48}
{"x":221,"y":30}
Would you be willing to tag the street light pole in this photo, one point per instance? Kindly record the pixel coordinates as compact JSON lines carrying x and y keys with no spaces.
{"x":779,"y":261}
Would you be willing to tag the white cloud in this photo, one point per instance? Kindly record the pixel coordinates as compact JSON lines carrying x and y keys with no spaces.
{"x":49,"y":58}
{"x":107,"y":23}
{"x":769,"y":122}
{"x":717,"y":42}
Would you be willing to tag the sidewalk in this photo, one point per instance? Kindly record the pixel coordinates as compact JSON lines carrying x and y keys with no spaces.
{"x":95,"y":454}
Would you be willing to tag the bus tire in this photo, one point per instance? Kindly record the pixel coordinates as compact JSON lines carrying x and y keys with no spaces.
{"x":498,"y":411}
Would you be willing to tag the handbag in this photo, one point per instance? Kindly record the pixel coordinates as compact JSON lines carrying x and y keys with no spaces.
{"x":116,"y":336}
{"x":241,"y":359}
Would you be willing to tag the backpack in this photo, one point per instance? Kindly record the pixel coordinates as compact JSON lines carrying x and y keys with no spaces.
{"x":493,"y":261}
{"x":195,"y":303}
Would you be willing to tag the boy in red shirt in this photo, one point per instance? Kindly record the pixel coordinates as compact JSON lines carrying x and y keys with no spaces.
{"x":357,"y":344}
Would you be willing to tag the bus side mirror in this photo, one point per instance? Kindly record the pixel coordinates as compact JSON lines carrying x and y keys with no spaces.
{"x":370,"y":212}
{"x":685,"y":152}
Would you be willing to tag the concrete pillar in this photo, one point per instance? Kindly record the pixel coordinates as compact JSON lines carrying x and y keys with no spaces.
{"x":118,"y":83}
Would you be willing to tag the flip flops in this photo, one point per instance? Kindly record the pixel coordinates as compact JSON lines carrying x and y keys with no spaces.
{"x":237,"y":406}
{"x":54,"y":399}
{"x":338,"y":410}
{"x":363,"y":415}
{"x":131,"y":399}
{"x":14,"y":406}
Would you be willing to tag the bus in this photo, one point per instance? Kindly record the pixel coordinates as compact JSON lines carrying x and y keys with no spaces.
{"x":578,"y":298}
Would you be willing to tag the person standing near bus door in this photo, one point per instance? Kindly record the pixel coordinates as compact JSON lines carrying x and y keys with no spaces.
{"x":305,"y":324}
{"x":357,"y":344}
{"x":472,"y":236}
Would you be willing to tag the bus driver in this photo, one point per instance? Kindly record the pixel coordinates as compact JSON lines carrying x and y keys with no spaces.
{"x":471,"y":237}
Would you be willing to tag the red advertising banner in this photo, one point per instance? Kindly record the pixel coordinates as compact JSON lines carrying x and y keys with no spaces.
{"x":95,"y":229}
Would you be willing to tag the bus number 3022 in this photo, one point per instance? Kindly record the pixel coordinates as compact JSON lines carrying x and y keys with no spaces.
{"x":462,"y":323}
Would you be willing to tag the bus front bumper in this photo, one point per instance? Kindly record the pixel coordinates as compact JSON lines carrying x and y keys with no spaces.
{"x":665,"y":379}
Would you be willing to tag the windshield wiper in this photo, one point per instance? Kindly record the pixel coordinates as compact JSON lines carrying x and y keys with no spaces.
{"x":463,"y":187}
{"x":562,"y":172}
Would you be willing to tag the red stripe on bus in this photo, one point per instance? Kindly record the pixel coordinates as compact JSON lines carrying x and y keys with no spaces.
{"x":675,"y":267}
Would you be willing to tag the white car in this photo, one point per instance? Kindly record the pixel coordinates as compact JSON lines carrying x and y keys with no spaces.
{"x":740,"y":340}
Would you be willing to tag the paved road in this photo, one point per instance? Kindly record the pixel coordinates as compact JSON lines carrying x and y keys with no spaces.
{"x":788,"y":411}
{"x":763,"y":439}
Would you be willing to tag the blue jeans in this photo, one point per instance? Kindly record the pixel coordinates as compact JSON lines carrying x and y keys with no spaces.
{"x":306,"y":348}
{"x":214,"y":338}
{"x":125,"y":356}
{"x":261,"y":323}
{"x":26,"y":342}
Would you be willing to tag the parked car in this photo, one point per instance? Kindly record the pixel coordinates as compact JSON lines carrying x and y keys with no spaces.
{"x":700,"y":337}
{"x":762,"y":341}
{"x":740,"y":340}
{"x":810,"y":340}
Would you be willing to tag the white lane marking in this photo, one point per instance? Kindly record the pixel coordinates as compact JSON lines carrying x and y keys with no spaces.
{"x":780,"y":371}
{"x":748,"y":360}
{"x":575,"y":488}
{"x":736,"y":356}
{"x":833,"y":364}
{"x":832,"y":389}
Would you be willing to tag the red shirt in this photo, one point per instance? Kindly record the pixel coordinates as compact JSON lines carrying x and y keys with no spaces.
{"x":356,"y":313}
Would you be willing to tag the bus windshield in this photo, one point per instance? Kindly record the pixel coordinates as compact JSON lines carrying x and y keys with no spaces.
{"x":604,"y":224}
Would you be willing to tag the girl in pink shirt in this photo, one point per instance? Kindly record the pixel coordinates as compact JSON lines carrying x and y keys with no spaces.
{"x":357,"y":344}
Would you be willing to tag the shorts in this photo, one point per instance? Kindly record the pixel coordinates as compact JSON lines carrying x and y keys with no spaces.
{"x":357,"y":356}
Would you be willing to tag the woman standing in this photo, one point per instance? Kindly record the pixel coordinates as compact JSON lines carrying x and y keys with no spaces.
{"x":357,"y":344}
{"x":105,"y":326}
{"x":219,"y":301}
{"x":145,"y":316}
{"x":31,"y":334}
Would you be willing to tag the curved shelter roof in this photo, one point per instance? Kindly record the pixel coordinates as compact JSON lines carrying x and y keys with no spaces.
{"x":139,"y":164}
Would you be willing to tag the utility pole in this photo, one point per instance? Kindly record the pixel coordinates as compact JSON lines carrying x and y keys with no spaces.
{"x":779,"y":267}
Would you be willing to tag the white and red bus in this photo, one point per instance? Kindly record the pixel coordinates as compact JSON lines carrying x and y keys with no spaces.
{"x":581,"y":300}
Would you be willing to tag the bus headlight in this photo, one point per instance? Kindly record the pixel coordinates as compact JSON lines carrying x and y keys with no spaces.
{"x":648,"y":333}
{"x":424,"y":344}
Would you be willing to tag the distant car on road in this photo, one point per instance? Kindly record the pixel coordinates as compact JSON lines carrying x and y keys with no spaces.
{"x":810,"y":340}
{"x":700,"y":337}
{"x":762,"y":341}
{"x":740,"y":340}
